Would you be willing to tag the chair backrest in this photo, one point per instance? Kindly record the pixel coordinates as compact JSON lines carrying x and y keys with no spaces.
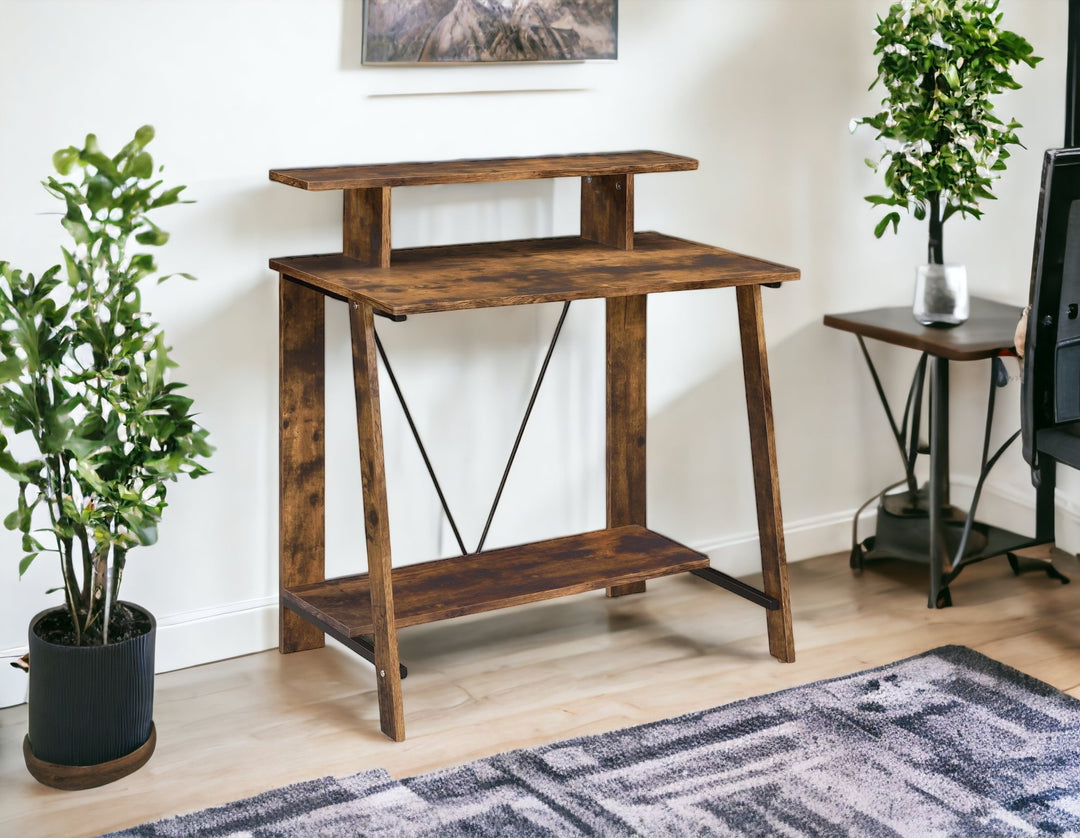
{"x":1050,"y":394}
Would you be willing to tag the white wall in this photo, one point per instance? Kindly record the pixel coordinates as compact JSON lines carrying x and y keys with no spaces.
{"x":761,"y":91}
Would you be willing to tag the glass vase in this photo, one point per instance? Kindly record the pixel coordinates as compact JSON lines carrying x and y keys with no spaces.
{"x":941,"y":295}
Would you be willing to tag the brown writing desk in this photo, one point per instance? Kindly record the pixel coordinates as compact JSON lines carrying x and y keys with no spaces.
{"x":607,"y":260}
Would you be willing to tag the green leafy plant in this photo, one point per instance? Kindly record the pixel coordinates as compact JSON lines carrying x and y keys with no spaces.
{"x":83,"y":385}
{"x":941,"y":62}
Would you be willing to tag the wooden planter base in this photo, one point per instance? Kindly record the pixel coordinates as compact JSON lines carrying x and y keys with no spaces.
{"x":74,"y":777}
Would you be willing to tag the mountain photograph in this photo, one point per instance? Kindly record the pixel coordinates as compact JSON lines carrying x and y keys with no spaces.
{"x":468,"y":31}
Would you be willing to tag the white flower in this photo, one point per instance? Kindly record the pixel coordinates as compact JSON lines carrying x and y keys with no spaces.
{"x":937,"y":41}
{"x":967,"y":141}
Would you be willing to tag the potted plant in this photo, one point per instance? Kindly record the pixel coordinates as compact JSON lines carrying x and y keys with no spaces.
{"x":92,"y":431}
{"x":941,"y":63}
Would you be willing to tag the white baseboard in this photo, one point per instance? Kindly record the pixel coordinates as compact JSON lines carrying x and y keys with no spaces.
{"x":188,"y":639}
{"x":197,"y":637}
{"x":740,"y":555}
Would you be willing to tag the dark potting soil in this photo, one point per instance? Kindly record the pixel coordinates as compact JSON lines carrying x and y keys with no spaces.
{"x":126,"y":622}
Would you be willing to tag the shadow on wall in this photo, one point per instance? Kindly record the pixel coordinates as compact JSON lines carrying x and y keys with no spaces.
{"x":228,"y":512}
{"x":292,"y":222}
{"x":467,"y":378}
{"x":466,"y":375}
{"x":826,"y":461}
{"x":352,"y":34}
{"x":435,"y":215}
{"x":781,"y":174}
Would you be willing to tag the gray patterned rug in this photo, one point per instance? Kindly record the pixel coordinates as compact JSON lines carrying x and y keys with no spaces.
{"x":947,"y":743}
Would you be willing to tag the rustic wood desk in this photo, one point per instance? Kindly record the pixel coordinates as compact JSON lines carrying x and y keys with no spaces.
{"x":607,"y":260}
{"x":920,"y":524}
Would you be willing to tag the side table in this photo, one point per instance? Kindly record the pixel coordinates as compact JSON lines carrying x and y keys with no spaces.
{"x":920,"y":524}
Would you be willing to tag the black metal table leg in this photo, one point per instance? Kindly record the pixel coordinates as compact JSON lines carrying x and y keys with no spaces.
{"x":939,"y":475}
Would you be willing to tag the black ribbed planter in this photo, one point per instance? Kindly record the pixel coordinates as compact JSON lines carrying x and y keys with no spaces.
{"x":91,"y":708}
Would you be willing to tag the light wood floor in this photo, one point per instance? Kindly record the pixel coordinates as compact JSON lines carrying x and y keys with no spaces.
{"x":536,"y":674}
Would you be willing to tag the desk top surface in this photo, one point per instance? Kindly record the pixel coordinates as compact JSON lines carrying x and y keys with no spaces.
{"x":988,"y":331}
{"x":482,"y":275}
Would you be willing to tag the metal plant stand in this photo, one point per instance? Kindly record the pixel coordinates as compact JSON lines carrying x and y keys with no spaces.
{"x":919,"y":523}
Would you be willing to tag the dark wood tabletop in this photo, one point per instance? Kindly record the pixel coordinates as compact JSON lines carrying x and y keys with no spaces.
{"x":988,"y":331}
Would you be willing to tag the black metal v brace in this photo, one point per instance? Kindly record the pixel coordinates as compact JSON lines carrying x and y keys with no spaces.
{"x":513,"y":451}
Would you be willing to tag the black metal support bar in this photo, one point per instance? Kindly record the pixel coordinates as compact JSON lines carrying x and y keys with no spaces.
{"x":396,"y":318}
{"x":984,"y":470}
{"x":858,"y":512}
{"x":361,"y":645}
{"x":914,"y":410}
{"x":900,"y":431}
{"x":420,"y":444}
{"x":881,"y":394}
{"x":524,"y":422}
{"x":732,"y":584}
{"x":1072,"y":69}
{"x":364,"y":647}
{"x":1019,"y":564}
{"x":939,"y":479}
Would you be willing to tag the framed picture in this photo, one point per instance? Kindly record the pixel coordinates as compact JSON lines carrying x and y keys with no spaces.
{"x":477,"y":31}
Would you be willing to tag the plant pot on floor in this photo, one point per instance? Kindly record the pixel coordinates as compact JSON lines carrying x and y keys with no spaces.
{"x":90,"y":707}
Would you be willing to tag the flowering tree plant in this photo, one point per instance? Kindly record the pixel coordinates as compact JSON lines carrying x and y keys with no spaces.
{"x":940,"y":63}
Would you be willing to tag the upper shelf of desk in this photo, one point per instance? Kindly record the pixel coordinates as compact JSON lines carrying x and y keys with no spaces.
{"x":324,"y":178}
{"x":608,"y":259}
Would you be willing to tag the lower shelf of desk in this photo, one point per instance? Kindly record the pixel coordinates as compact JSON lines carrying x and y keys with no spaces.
{"x":455,"y":587}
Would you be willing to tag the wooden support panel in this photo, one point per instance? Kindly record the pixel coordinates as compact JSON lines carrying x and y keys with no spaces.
{"x":454,"y":587}
{"x":626,"y":418}
{"x":607,"y":210}
{"x":302,"y":453}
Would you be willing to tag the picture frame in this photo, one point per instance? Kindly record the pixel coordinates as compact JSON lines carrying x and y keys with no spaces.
{"x":440,"y":32}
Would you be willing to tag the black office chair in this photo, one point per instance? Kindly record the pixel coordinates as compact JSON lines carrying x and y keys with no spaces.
{"x":1050,"y":391}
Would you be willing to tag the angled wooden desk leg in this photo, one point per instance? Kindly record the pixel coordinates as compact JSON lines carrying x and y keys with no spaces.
{"x":301,"y":454}
{"x":626,"y":418}
{"x":376,"y":521}
{"x":766,"y":479}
